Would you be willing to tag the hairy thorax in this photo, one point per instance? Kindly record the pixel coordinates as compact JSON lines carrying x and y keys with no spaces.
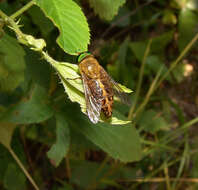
{"x":90,"y":67}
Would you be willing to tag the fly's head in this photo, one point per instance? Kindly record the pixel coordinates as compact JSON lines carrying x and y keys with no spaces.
{"x":90,"y":67}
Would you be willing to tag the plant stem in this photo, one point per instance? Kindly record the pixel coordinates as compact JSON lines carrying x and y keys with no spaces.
{"x":23,"y":9}
{"x":140,"y":80}
{"x":168,"y":186}
{"x":23,"y":168}
{"x":3,"y":15}
{"x":149,"y":93}
{"x":11,"y":23}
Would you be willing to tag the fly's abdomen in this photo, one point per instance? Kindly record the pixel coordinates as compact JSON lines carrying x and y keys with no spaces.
{"x":107,"y":105}
{"x":107,"y":102}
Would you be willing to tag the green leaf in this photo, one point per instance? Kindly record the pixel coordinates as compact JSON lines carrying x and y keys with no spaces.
{"x":106,"y":9}
{"x":6,"y":132}
{"x":187,"y":27}
{"x":68,"y":17}
{"x":157,"y":46}
{"x":59,"y":150}
{"x":150,"y":121}
{"x":120,"y":142}
{"x":154,"y":64}
{"x":12,"y":64}
{"x":138,"y":49}
{"x":32,"y":109}
{"x":74,"y":88}
{"x":14,"y":178}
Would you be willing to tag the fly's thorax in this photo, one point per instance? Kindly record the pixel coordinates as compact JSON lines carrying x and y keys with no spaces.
{"x":90,"y":67}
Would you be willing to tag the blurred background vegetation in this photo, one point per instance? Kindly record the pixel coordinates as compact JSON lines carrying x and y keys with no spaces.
{"x":148,"y":46}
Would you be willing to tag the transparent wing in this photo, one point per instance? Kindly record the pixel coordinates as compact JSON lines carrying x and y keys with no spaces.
{"x":120,"y":93}
{"x":93,"y":105}
{"x":117,"y":89}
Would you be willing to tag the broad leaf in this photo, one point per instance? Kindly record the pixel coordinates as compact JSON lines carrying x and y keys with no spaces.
{"x":12,"y":64}
{"x":119,"y":141}
{"x":68,"y":17}
{"x":59,"y":150}
{"x":33,"y":109}
{"x":106,"y":9}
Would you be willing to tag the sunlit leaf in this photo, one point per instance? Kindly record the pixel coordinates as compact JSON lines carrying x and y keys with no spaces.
{"x":68,"y":17}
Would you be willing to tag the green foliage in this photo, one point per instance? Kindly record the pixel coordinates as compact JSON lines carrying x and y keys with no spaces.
{"x":12,"y":65}
{"x":106,"y":9}
{"x":44,"y":125}
{"x":59,"y":150}
{"x":14,"y":178}
{"x":71,"y":22}
{"x":6,"y":132}
{"x":187,"y":26}
{"x":152,"y":122}
{"x":110,"y":138}
{"x":32,"y":109}
{"x":41,"y":21}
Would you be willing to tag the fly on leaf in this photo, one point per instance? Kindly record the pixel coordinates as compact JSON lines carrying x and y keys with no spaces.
{"x":99,"y":88}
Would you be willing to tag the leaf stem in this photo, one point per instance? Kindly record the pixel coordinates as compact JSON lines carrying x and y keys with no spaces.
{"x":28,"y":40}
{"x":3,"y":15}
{"x":23,"y":9}
{"x":23,"y":168}
{"x":12,"y":24}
